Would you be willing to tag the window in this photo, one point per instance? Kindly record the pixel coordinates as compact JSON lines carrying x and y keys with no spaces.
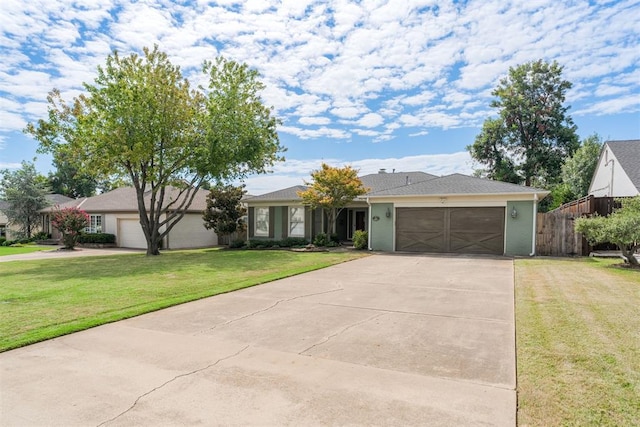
{"x":296,"y":221}
{"x":95,"y":224}
{"x":3,"y":231}
{"x":262,"y":222}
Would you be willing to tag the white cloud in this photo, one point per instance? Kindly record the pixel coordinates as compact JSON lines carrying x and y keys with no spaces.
{"x":345,"y":67}
{"x":314,"y":120}
{"x":294,"y":172}
{"x":371,"y":120}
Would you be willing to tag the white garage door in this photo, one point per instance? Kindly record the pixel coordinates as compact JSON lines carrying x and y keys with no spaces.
{"x":190,"y":233}
{"x":130,"y":234}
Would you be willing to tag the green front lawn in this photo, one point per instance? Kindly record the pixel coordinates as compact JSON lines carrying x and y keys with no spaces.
{"x":23,"y":249}
{"x":48,"y":298}
{"x":578,"y":343}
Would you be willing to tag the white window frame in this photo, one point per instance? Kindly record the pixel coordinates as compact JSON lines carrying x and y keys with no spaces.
{"x":296,"y":221}
{"x":95,"y":224}
{"x":261,"y":215}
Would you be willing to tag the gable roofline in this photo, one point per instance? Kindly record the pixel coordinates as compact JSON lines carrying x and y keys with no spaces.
{"x":627,"y":153}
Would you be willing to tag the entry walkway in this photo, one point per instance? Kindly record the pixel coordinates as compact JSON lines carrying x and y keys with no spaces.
{"x":384,"y":340}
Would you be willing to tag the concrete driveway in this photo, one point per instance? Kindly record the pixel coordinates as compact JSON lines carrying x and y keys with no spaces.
{"x":384,"y":340}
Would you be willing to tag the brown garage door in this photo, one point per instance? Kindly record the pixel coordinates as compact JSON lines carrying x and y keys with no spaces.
{"x":457,"y":230}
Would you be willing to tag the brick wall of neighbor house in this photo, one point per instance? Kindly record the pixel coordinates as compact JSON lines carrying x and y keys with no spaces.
{"x":519,"y":230}
{"x":381,"y":231}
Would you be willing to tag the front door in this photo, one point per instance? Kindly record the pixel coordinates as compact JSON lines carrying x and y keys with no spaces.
{"x":357,"y":221}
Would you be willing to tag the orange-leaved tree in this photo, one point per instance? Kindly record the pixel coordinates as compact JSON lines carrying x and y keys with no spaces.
{"x":332,"y":188}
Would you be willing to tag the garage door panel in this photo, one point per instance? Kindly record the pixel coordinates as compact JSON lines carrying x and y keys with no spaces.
{"x":130,"y":234}
{"x":471,"y":219}
{"x":420,"y":229}
{"x":458,"y":230}
{"x":480,"y":243}
{"x":421,"y":241}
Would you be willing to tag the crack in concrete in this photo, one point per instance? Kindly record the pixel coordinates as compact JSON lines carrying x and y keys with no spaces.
{"x":169,"y":382}
{"x":345,"y":329}
{"x":228,"y":322}
{"x":450,"y":316}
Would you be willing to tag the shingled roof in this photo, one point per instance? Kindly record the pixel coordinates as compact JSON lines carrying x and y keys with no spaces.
{"x":374,"y":182}
{"x":52,"y":200}
{"x":628,"y":154}
{"x":457,"y":184}
{"x":124,"y":199}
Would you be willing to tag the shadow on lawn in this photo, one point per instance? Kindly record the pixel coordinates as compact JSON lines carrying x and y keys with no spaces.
{"x":132,"y":265}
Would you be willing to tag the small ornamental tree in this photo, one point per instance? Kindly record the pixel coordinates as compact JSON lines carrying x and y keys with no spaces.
{"x":69,"y":222}
{"x":224,"y":211}
{"x":332,"y":189}
{"x":622,"y":227}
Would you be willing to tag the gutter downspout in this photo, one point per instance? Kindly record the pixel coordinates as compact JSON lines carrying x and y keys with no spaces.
{"x":369,"y":226}
{"x":535,"y":225}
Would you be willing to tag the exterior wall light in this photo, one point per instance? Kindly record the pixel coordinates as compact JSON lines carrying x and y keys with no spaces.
{"x":514,"y":213}
{"x":388,"y":213}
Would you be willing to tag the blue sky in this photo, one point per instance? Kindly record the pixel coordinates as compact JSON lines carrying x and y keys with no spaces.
{"x":397,"y":84}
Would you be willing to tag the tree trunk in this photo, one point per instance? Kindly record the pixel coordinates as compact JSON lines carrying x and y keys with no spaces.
{"x":153,"y":248}
{"x":629,"y":254}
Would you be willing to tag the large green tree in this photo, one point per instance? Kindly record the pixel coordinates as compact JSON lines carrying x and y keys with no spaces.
{"x":25,"y":192}
{"x":141,"y":120}
{"x":533,"y":134}
{"x":332,"y":188}
{"x":622,"y":227}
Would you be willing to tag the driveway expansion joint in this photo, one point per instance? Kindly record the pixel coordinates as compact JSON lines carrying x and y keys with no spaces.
{"x":228,"y":322}
{"x":195,"y":371}
{"x":481,"y":319}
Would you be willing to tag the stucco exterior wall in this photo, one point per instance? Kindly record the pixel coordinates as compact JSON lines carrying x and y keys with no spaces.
{"x":519,"y":231}
{"x":381,"y":230}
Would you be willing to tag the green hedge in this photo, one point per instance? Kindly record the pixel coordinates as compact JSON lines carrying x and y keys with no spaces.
{"x":97,"y":238}
{"x":289,"y":242}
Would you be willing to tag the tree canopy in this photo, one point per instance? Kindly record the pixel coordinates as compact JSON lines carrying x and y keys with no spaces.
{"x":68,"y":180}
{"x":332,"y":188}
{"x":142,"y":121}
{"x":533,"y":134}
{"x":25,"y":192}
{"x":224,"y":211}
{"x":622,"y":228}
{"x":578,"y":170}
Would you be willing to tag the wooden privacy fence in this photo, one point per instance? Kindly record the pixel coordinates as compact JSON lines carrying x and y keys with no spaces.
{"x":555,"y":235}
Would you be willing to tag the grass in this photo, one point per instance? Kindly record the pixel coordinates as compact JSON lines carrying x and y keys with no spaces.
{"x":48,"y":298}
{"x":578,"y":343}
{"x":22,"y":249}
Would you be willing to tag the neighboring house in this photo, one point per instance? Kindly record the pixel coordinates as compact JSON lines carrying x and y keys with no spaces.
{"x":4,"y":221}
{"x":11,"y":232}
{"x":116,"y":212}
{"x":618,"y":171}
{"x":415,"y":212}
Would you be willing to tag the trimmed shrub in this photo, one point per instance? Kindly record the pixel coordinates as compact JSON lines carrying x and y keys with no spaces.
{"x":104,"y":238}
{"x":41,"y":235}
{"x":321,"y":240}
{"x":237,"y":244}
{"x":2,"y":240}
{"x":289,"y":242}
{"x":360,"y":239}
{"x":292,"y":242}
